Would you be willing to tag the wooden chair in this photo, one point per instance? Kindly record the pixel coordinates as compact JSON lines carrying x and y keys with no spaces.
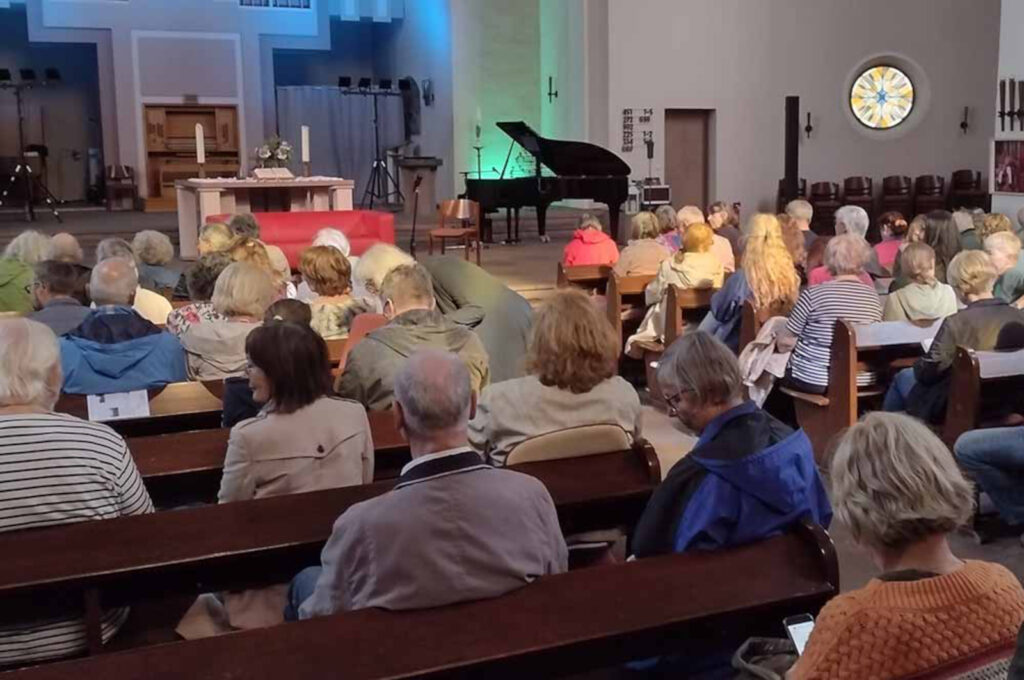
{"x":897,"y":195}
{"x":982,"y":382}
{"x":825,"y":201}
{"x":860,"y":191}
{"x":967,"y":191}
{"x":626,"y":306}
{"x":592,"y":278}
{"x":780,"y":195}
{"x":466,"y":213}
{"x":929,"y":194}
{"x":121,"y":180}
{"x":571,"y":623}
{"x":881,"y":348}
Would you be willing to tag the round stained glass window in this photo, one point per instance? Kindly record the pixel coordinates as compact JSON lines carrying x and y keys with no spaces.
{"x":882,"y":97}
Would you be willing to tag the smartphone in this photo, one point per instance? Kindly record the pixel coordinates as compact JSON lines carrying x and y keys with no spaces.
{"x":799,"y":628}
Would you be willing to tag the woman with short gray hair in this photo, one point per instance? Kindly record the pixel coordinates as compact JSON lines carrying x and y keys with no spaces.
{"x":748,"y":477}
{"x":847,"y":254}
{"x":57,"y":469}
{"x":896,"y":487}
{"x":20,"y":255}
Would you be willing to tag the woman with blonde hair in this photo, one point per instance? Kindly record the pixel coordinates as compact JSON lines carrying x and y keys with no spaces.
{"x":572,"y":381}
{"x":925,"y":297}
{"x":900,"y":493}
{"x":328,"y":274}
{"x":216,"y":349}
{"x":644,"y":254}
{"x":692,"y":267}
{"x":767,"y":277}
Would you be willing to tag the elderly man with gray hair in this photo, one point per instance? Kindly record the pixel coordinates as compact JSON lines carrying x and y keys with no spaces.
{"x":749,"y":475}
{"x":850,"y":219}
{"x":152,"y":306}
{"x":453,"y":529}
{"x":114,"y":349}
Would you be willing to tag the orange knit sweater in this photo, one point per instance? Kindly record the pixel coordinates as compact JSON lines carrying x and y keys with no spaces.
{"x":891,"y":629}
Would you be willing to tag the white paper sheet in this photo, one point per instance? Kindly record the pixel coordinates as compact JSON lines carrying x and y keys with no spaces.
{"x":118,"y":405}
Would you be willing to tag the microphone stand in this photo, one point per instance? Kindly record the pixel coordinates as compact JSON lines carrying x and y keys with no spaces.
{"x":415,"y":213}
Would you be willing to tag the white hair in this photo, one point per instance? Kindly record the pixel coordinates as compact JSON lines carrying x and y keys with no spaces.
{"x":153,"y":247}
{"x":113,"y":281}
{"x":65,"y":248}
{"x":1005,"y":243}
{"x":433,"y":387}
{"x":376,"y":263}
{"x":846,"y":254}
{"x":852,"y":219}
{"x":114,"y":247}
{"x":689,"y":214}
{"x":29,"y":364}
{"x":29,"y":247}
{"x":329,"y":236}
{"x":799,"y":209}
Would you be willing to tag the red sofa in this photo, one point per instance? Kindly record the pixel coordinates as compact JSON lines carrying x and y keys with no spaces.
{"x":293,"y":232}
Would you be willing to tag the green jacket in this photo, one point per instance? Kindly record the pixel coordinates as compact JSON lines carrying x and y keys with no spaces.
{"x":15,"y":286}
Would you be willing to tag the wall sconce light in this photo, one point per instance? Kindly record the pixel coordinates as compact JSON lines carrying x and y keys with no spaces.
{"x":965,"y":123}
{"x":428,"y":92}
{"x":808,"y":129}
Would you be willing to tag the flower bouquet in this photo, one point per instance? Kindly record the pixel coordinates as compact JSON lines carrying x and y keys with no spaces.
{"x":273,"y":153}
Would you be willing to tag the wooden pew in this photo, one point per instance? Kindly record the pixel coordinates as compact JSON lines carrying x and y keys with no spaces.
{"x":177,"y":407}
{"x":559,"y":625}
{"x":186,"y":467}
{"x":983,"y":382}
{"x":592,"y":277}
{"x":624,"y":297}
{"x":336,"y":350}
{"x":882,"y":348}
{"x":81,"y":567}
{"x":751,"y":321}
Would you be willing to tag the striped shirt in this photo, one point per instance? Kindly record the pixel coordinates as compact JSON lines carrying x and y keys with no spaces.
{"x":813,"y":320}
{"x":58,"y":469}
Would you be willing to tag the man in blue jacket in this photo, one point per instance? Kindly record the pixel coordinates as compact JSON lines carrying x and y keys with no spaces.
{"x":114,"y":349}
{"x":748,"y":477}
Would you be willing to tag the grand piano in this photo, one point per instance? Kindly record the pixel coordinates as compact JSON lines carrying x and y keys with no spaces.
{"x":581,"y":170}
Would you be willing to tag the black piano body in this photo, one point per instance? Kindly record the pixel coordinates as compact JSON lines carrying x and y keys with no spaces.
{"x":581,"y":170}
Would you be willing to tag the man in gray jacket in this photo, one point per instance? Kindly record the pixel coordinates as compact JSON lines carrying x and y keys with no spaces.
{"x":414,"y":323}
{"x":453,"y":529}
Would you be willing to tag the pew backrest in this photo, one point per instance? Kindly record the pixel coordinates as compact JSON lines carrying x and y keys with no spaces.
{"x":176,"y":407}
{"x":590,"y":277}
{"x":685,"y":306}
{"x":980,"y":379}
{"x":622,"y":294}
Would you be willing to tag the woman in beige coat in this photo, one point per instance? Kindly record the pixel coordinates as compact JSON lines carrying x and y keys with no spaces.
{"x":302,"y":440}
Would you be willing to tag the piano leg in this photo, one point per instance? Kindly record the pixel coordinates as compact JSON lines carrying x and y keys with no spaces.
{"x":517,"y":224}
{"x":613,"y":220}
{"x":542,"y":213}
{"x":508,"y":225}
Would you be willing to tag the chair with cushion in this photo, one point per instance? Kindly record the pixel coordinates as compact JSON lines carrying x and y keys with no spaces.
{"x":929,"y":194}
{"x":780,"y":196}
{"x":860,"y":191}
{"x":464,"y":213}
{"x":897,"y":195}
{"x":825,"y":200}
{"x":967,"y":191}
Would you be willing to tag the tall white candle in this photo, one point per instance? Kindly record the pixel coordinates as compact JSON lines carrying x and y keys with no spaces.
{"x":200,"y":144}
{"x":305,"y":143}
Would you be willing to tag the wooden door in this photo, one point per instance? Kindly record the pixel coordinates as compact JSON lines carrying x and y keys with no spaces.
{"x":687,"y":145}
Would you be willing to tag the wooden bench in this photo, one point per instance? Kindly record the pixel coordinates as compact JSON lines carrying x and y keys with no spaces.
{"x":178,"y":407}
{"x":882,"y":348}
{"x":751,"y":321}
{"x":81,"y":567}
{"x":592,"y":278}
{"x":186,"y":467}
{"x":983,"y":382}
{"x":559,"y":625}
{"x":624,"y":297}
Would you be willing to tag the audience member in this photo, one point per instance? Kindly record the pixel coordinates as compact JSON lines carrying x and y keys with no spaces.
{"x":375,"y":264}
{"x":748,"y":476}
{"x":501,"y":317}
{"x":252,"y":251}
{"x":290,"y":311}
{"x":964,"y":221}
{"x":573,"y":363}
{"x":850,"y":219}
{"x":1019,"y":229}
{"x":692,"y":267}
{"x":722,"y":218}
{"x":335,"y":238}
{"x":455,"y":528}
{"x":667,"y":227}
{"x":282,"y":271}
{"x":329,"y":275}
{"x":213,"y":238}
{"x":152,"y":306}
{"x":802,"y":212}
{"x":923,"y":389}
{"x":795,"y":244}
{"x":994,"y":458}
{"x":643,"y":255}
{"x":57,"y":469}
{"x":808,"y":333}
{"x":590,"y":245}
{"x":53,"y":289}
{"x":1004,"y":250}
{"x":201,"y":278}
{"x":216,"y":349}
{"x":896,"y":487}
{"x":115,"y":349}
{"x":924,"y":298}
{"x":994,"y":223}
{"x":245,"y":226}
{"x":154,"y":251}
{"x":64,"y":247}
{"x":766,"y":277}
{"x":893,"y":227}
{"x":413,"y":323}
{"x":26,"y":250}
{"x":941,"y":233}
{"x":687,"y":215}
{"x":303,"y":440}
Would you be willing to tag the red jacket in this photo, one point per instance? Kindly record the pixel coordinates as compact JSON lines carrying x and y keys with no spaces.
{"x":590,"y":246}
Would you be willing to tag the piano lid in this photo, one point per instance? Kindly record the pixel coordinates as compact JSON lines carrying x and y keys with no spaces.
{"x":564,"y":157}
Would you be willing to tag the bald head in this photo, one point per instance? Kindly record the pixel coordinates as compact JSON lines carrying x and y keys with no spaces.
{"x":432,"y":390}
{"x":65,"y":248}
{"x":113,"y":282}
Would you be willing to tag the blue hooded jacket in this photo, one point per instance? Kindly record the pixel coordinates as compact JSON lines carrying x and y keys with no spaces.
{"x":112,"y":362}
{"x":749,"y":477}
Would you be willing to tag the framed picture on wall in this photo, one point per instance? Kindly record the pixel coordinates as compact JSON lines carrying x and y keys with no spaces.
{"x":1006,"y":160}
